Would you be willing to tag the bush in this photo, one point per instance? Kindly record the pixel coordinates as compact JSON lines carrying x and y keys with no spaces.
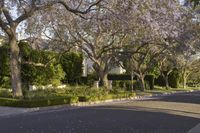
{"x":48,"y":72}
{"x":68,"y":95}
{"x":35,"y":103}
{"x":4,"y":67}
{"x":160,"y":81}
{"x":150,"y":80}
{"x":174,"y":79}
{"x":72,"y":66}
{"x":124,"y":81}
{"x":5,"y":93}
{"x":5,"y":82}
{"x":112,"y":95}
{"x":119,"y":77}
{"x":89,"y":80}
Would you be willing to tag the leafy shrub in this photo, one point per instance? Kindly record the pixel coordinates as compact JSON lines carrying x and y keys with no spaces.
{"x":4,"y":67}
{"x":124,"y":81}
{"x":35,"y":103}
{"x":127,"y":85}
{"x":150,"y":81}
{"x":48,"y":72}
{"x":72,"y":66}
{"x":174,"y":79}
{"x":5,"y":93}
{"x":119,"y":77}
{"x":160,"y":81}
{"x":89,"y":80}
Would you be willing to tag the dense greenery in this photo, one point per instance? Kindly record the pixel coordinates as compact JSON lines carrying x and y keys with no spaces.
{"x":42,"y":67}
{"x":4,"y":67}
{"x":36,"y":102}
{"x":124,"y":81}
{"x":174,"y":79}
{"x":72,"y":66}
{"x":67,"y":95}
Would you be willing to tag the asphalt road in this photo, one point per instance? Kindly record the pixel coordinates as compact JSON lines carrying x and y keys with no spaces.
{"x":169,"y":114}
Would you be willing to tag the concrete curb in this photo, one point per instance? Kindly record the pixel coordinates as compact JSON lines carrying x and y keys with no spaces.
{"x":83,"y":104}
{"x":9,"y":111}
{"x":104,"y":101}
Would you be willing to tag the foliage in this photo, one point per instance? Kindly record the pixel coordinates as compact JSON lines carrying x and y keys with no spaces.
{"x":35,"y":102}
{"x":5,"y":93}
{"x":124,"y":81}
{"x":160,"y":81}
{"x":4,"y":67}
{"x":174,"y":79}
{"x":89,"y":80}
{"x":119,"y":77}
{"x":196,"y":2}
{"x":127,"y":85}
{"x":72,"y":66}
{"x":150,"y":80}
{"x":66,"y":95}
{"x":40,"y":67}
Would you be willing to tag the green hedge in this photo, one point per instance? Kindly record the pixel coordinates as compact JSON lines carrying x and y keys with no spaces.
{"x":118,"y":95}
{"x":123,"y":81}
{"x":72,"y":66}
{"x":5,"y":93}
{"x":37,"y":103}
{"x":53,"y":68}
{"x":4,"y":67}
{"x":127,"y":85}
{"x":174,"y":79}
{"x":150,"y":79}
{"x":89,"y":80}
{"x":30,"y":103}
{"x":119,"y":77}
{"x":50,"y":72}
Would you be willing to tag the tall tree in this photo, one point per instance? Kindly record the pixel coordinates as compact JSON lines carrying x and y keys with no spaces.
{"x":14,"y":12}
{"x":167,"y":62}
{"x":100,"y":37}
{"x":187,"y":50}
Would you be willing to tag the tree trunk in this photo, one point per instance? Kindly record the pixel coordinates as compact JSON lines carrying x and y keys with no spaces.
{"x":15,"y":67}
{"x":142,"y":83}
{"x":166,"y":82}
{"x":103,"y":79}
{"x":184,"y":80}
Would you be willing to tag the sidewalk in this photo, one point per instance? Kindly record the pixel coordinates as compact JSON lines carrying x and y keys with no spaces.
{"x":7,"y":111}
{"x":10,"y":111}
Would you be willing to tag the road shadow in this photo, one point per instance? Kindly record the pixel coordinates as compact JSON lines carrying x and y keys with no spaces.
{"x":101,"y":119}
